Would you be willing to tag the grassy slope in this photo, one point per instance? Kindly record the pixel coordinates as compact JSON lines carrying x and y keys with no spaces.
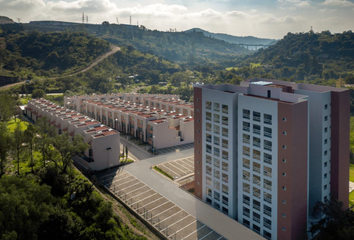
{"x":11,"y":125}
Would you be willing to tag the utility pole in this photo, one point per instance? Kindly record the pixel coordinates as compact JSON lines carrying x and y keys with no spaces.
{"x":83,"y":17}
{"x":130,"y":20}
{"x":117,"y":20}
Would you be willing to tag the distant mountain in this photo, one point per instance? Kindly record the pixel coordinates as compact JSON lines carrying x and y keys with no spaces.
{"x":235,"y":39}
{"x":5,"y":20}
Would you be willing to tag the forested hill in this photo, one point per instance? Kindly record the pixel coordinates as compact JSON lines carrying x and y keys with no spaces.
{"x":5,"y":20}
{"x":235,"y":39}
{"x":28,"y":54}
{"x":182,"y":47}
{"x":308,"y":56}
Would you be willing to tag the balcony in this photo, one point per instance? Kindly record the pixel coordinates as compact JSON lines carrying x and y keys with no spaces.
{"x":208,"y":150}
{"x":268,"y":134}
{"x":257,"y":194}
{"x":246,"y":153}
{"x":257,"y":207}
{"x":246,"y":189}
{"x":225,"y":202}
{"x":256,"y":181}
{"x":208,"y":139}
{"x":267,"y":186}
{"x":208,"y":129}
{"x":267,"y":225}
{"x":257,"y":131}
{"x":224,"y":145}
{"x":256,"y":156}
{"x":268,"y":200}
{"x":225,"y":133}
{"x":225,"y":110}
{"x":216,"y":120}
{"x":268,"y":160}
{"x":225,"y":122}
{"x":246,"y":202}
{"x":266,"y":212}
{"x":268,"y":174}
{"x":208,"y":172}
{"x":257,"y":119}
{"x":246,"y":165}
{"x":256,"y":169}
{"x":226,"y":157}
{"x":256,"y":219}
{"x":247,"y":116}
{"x":246,"y":140}
{"x":247,"y":214}
{"x":247,"y":129}
{"x":267,"y":121}
{"x":216,"y":143}
{"x":246,"y":177}
{"x":268,"y":147}
{"x":257,"y":144}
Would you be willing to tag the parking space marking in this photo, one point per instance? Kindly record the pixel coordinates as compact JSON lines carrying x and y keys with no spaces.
{"x":130,"y":186}
{"x":186,"y":226}
{"x":171,"y":215}
{"x":145,"y":198}
{"x":166,"y":210}
{"x":159,"y":206}
{"x":206,"y":235}
{"x":194,"y":231}
{"x":177,"y":221}
{"x":150,"y":202}
{"x":137,"y":189}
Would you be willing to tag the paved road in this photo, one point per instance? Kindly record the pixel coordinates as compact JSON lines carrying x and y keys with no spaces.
{"x":139,"y":153}
{"x":216,"y":220}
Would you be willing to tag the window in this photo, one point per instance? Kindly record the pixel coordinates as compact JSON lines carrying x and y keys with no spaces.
{"x":256,"y":217}
{"x":284,"y":133}
{"x":326,"y":118}
{"x":217,"y":196}
{"x":257,"y":167}
{"x":225,"y":109}
{"x":256,"y":192}
{"x":267,"y":158}
{"x":267,"y":119}
{"x":256,"y":142}
{"x":225,"y":132}
{"x":325,"y":130}
{"x":267,"y":184}
{"x":216,"y":152}
{"x":225,"y":189}
{"x":325,"y":175}
{"x":246,"y":114}
{"x":267,"y":210}
{"x":216,"y":140}
{"x":216,"y":174}
{"x":225,"y":210}
{"x":225,"y":155}
{"x":246,"y":187}
{"x":208,"y":116}
{"x":246,"y":175}
{"x":325,"y":106}
{"x":256,"y":154}
{"x":284,"y":147}
{"x":284,"y":174}
{"x":246,"y":223}
{"x":284,"y":160}
{"x":267,"y":145}
{"x":267,"y":223}
{"x":246,"y":126}
{"x":208,"y":127}
{"x":284,"y":188}
{"x":284,"y":216}
{"x":225,"y":166}
{"x":216,"y":205}
{"x":216,"y":129}
{"x":208,"y":105}
{"x":256,"y":129}
{"x":267,"y":171}
{"x":216,"y":163}
{"x":284,"y":119}
{"x":208,"y":170}
{"x":209,"y":192}
{"x":256,"y":116}
{"x":216,"y":118}
{"x":256,"y":205}
{"x":225,"y":120}
{"x":325,"y":187}
{"x":246,"y":163}
{"x":284,"y":202}
{"x":216,"y":185}
{"x":267,"y":132}
{"x":208,"y":138}
{"x":225,"y":143}
{"x":208,"y":181}
{"x":246,"y":199}
{"x":257,"y":180}
{"x":208,"y":200}
{"x":325,"y":141}
{"x":217,"y":107}
{"x":283,"y":228}
{"x":267,"y":235}
{"x":225,"y":200}
{"x":246,"y":151}
{"x":246,"y":138}
{"x":325,"y":153}
{"x":256,"y":228}
{"x":208,"y":148}
{"x":208,"y":159}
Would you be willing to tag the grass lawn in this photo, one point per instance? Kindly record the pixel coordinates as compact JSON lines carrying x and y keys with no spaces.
{"x":229,"y":68}
{"x":351,"y":173}
{"x":253,"y":65}
{"x":351,"y":198}
{"x":11,"y":125}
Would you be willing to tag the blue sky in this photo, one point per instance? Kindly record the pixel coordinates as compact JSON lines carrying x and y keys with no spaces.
{"x":260,"y":18}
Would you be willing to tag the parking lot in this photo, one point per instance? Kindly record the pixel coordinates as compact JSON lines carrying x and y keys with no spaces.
{"x":174,"y":148}
{"x":179,"y":168}
{"x":164,"y":215}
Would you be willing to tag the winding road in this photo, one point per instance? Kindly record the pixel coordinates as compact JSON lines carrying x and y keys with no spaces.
{"x":113,"y":50}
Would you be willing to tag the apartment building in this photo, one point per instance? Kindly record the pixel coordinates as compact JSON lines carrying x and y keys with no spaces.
{"x":266,"y":151}
{"x":134,"y":115}
{"x":104,"y":150}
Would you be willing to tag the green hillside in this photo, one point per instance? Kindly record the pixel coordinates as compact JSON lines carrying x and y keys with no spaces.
{"x":29,"y":54}
{"x":5,"y":20}
{"x":306,"y":56}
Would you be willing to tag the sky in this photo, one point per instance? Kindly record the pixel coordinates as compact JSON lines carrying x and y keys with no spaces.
{"x":259,"y":18}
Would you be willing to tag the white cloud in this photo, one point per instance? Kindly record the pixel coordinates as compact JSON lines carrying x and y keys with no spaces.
{"x":340,"y":3}
{"x":327,"y":10}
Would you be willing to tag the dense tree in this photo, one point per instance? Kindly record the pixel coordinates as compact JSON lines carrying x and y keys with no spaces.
{"x":7,"y":106}
{"x":5,"y":144}
{"x":38,"y":93}
{"x":29,"y":137}
{"x":17,"y":146}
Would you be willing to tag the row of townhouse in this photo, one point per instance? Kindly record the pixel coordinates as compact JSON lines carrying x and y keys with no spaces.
{"x":161,"y":121}
{"x":104,"y":142}
{"x":76,"y":102}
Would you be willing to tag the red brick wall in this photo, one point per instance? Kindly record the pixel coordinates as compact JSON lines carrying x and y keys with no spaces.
{"x":198,"y":147}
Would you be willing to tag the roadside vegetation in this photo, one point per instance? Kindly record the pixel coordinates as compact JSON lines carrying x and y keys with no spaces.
{"x":42,"y":196}
{"x":163,"y":172}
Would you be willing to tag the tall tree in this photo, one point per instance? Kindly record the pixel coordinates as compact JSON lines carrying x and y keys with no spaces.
{"x":68,"y":149}
{"x":5,"y":140}
{"x":7,"y":106}
{"x":30,"y":134}
{"x":17,"y":145}
{"x":46,"y":132}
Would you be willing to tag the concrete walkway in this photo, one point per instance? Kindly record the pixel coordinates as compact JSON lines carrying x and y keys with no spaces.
{"x":351,"y":187}
{"x":216,"y":220}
